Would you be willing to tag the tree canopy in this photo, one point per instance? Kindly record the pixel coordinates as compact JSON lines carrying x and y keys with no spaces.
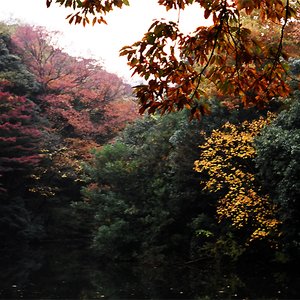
{"x":242,"y":65}
{"x":136,"y":194}
{"x":53,"y":109}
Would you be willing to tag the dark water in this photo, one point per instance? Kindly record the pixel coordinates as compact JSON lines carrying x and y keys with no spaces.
{"x":63,"y":272}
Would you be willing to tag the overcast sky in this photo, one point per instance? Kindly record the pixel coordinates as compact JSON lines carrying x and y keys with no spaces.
{"x":103,"y":42}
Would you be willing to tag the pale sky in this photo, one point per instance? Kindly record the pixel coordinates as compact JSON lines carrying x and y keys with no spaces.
{"x":103,"y":42}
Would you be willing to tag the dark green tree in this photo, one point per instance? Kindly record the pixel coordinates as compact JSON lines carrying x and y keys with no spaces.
{"x":12,"y":70}
{"x":145,"y":195}
{"x":278,"y":164}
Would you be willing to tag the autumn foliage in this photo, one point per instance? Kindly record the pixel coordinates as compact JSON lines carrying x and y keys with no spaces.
{"x":228,"y":54}
{"x":78,"y":106}
{"x":19,"y":137}
{"x":77,"y":94}
{"x":227,"y":168}
{"x":135,"y":195}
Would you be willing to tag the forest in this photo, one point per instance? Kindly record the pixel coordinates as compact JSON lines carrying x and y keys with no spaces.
{"x":79,"y":164}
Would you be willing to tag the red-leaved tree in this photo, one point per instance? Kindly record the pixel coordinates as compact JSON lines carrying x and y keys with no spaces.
{"x":19,"y":138}
{"x":78,"y":95}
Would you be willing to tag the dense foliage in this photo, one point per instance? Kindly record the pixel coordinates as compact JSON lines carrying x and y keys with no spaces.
{"x":145,"y":199}
{"x":53,"y":109}
{"x":137,"y":193}
{"x":278,"y":164}
{"x":161,"y":187}
{"x":18,"y":136}
{"x":14,"y":75}
{"x":79,"y":97}
{"x":227,"y":159}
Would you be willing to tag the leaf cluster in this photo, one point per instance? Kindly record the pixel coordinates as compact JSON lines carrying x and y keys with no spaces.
{"x":229,"y":54}
{"x":88,"y":8}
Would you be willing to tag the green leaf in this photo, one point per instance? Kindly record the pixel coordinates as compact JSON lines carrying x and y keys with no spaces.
{"x":79,"y":3}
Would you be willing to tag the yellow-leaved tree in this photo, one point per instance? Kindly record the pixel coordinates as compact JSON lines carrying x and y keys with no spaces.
{"x":227,"y":168}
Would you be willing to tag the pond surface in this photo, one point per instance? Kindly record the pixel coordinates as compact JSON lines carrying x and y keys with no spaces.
{"x":63,"y":272}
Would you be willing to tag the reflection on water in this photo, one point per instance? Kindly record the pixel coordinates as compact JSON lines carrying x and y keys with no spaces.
{"x":65,"y":272}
